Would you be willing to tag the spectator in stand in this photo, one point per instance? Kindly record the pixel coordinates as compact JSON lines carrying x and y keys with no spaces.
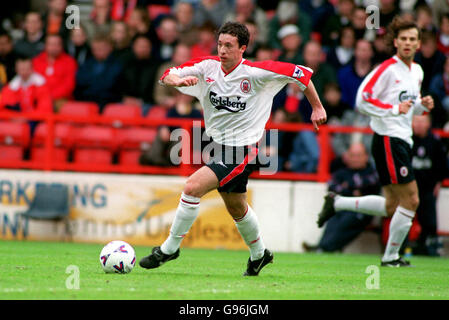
{"x":167,"y":38}
{"x":139,"y":75}
{"x":323,"y":73}
{"x":58,"y":69}
{"x":121,"y":40}
{"x":358,"y":22}
{"x":430,"y":58}
{"x":431,"y":168}
{"x":333,"y":103}
{"x":7,"y":55}
{"x":342,"y":141}
{"x":264,"y":52}
{"x":424,"y":18}
{"x":443,"y":35}
{"x":166,"y":95}
{"x":99,"y":20}
{"x":26,"y":92}
{"x":98,"y":78}
{"x":140,"y":23}
{"x":342,"y":54}
{"x":78,"y":46}
{"x":288,"y":12}
{"x":381,"y":52}
{"x":356,"y":178}
{"x":55,"y":18}
{"x":206,"y":44}
{"x":305,"y":153}
{"x":253,"y":44}
{"x":121,"y":10}
{"x":342,"y":16}
{"x":183,"y":12}
{"x":291,"y":44}
{"x":439,"y":88}
{"x":247,"y":10}
{"x":211,"y":10}
{"x":388,"y":10}
{"x":319,"y":11}
{"x":439,"y":8}
{"x":33,"y":41}
{"x":351,"y":76}
{"x":159,"y":153}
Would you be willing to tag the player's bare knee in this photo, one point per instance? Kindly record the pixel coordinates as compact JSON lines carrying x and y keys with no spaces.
{"x":236,"y":210}
{"x":193,"y":189}
{"x":414,"y":202}
{"x":390,"y":209}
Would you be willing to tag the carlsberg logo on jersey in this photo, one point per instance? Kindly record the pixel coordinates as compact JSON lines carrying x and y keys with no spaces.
{"x":226,"y":103}
{"x":403,"y":96}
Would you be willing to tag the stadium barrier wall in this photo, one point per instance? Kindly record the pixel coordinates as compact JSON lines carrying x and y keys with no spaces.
{"x":49,"y":163}
{"x":140,"y":209}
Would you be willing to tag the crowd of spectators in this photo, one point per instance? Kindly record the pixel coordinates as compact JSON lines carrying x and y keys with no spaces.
{"x":122,"y":47}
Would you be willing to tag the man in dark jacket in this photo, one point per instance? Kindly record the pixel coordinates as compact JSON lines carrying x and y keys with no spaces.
{"x":139,"y":75}
{"x":98,"y":78}
{"x":430,"y":166}
{"x":357,"y":178}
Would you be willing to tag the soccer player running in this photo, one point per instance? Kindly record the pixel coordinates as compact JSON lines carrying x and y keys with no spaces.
{"x":390,"y":95}
{"x":236,"y":96}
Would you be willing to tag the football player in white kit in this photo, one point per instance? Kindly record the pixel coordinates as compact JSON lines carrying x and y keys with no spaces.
{"x":390,"y":95}
{"x":236,"y":96}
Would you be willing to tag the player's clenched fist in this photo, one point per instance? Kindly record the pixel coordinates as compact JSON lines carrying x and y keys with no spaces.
{"x":405,"y":106}
{"x":187,"y":81}
{"x":427,"y":102}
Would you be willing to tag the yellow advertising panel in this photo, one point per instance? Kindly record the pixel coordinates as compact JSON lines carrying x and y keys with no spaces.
{"x":139,"y":211}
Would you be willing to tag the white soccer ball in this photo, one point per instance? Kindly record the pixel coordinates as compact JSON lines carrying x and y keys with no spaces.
{"x":117,"y":257}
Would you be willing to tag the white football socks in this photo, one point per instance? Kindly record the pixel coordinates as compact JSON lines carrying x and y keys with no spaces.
{"x":248,"y":227}
{"x":371,"y":205}
{"x":399,"y":227}
{"x":186,"y":214}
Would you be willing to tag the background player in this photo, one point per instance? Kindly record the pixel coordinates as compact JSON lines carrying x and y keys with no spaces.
{"x":236,"y":96}
{"x":390,"y":95}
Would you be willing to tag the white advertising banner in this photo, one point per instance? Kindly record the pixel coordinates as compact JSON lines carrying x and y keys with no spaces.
{"x":139,"y":209}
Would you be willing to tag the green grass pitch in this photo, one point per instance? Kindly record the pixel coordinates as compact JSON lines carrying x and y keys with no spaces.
{"x":41,"y":270}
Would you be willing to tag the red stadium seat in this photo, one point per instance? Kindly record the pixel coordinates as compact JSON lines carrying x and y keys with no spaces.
{"x":132,"y":141}
{"x":118,"y":111}
{"x":95,"y":144}
{"x":79,"y":109}
{"x":155,"y":10}
{"x":59,"y":154}
{"x":94,"y":136}
{"x":11,"y":153}
{"x":64,"y":135}
{"x":157,"y":112}
{"x":136,"y":137}
{"x":130,"y":157}
{"x":14,"y":133}
{"x":92,"y":156}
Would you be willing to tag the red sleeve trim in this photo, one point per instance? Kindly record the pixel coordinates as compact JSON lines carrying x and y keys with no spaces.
{"x":190,"y":63}
{"x":368,"y":89}
{"x":298,"y":72}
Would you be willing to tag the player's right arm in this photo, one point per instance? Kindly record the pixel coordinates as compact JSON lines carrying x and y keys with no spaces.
{"x":373,"y":94}
{"x":173,"y":80}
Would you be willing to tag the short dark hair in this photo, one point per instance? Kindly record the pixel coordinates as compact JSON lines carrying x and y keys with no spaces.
{"x":238,"y":30}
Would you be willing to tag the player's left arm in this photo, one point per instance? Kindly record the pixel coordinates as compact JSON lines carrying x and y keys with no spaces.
{"x":319,"y":115}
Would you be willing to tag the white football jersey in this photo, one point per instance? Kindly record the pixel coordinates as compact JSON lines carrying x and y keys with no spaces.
{"x":237,"y":104}
{"x":381,"y":92}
